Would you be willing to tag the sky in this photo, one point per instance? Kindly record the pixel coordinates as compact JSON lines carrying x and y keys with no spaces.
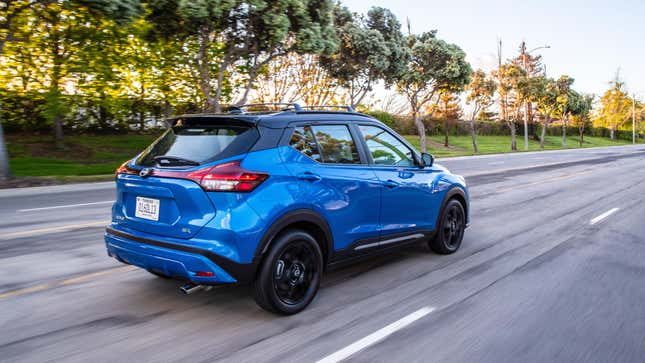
{"x":589,"y":40}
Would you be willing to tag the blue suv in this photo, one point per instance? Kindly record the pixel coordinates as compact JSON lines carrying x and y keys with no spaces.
{"x":275,"y":198}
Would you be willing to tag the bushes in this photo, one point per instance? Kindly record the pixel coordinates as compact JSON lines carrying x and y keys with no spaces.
{"x":27,"y":112}
{"x":405,"y":125}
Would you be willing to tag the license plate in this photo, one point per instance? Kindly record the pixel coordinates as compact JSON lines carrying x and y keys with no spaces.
{"x":147,"y":208}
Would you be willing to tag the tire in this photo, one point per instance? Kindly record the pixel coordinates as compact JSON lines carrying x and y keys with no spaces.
{"x":450,"y":233}
{"x":290,"y":274}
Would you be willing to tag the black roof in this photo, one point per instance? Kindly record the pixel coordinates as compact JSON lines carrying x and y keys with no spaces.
{"x":278,"y":119}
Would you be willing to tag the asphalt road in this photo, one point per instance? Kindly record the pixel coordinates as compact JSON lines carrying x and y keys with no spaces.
{"x":551,"y":269}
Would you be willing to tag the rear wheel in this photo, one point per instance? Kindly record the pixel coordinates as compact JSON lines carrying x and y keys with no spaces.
{"x":451,"y":229}
{"x":290,"y":274}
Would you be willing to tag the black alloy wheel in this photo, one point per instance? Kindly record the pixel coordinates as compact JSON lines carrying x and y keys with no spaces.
{"x":290,"y":275}
{"x":450,"y":233}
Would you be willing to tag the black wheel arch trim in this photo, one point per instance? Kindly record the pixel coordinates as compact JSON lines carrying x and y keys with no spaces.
{"x":293,"y":217}
{"x":449,"y":195}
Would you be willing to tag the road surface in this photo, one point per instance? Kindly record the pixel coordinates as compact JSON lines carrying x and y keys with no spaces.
{"x":551,"y":269}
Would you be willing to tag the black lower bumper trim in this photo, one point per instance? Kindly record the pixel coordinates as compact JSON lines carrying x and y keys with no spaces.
{"x":244,"y":273}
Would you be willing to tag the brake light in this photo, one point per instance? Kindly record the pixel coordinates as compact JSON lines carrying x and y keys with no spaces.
{"x":228,"y":177}
{"x":124,"y":169}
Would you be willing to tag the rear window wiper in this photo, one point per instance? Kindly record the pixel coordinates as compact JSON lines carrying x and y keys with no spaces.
{"x":166,"y":160}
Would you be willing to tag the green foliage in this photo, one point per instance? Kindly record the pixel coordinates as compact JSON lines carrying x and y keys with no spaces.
{"x":371,"y":48}
{"x":385,"y":117}
{"x":615,"y":107}
{"x":432,"y":66}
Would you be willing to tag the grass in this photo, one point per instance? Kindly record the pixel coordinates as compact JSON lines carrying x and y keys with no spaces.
{"x":93,"y":158}
{"x":82,"y":155}
{"x":462,"y":145}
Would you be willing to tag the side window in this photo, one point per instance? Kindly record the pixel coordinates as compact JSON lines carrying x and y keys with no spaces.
{"x":303,"y":140}
{"x":336,"y":144}
{"x":385,"y":148}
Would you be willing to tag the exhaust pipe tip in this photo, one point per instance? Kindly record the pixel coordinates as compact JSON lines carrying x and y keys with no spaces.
{"x":190,"y":288}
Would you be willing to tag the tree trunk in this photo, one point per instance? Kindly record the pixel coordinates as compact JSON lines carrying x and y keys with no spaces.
{"x":58,"y":130}
{"x":513,"y":136}
{"x":445,"y":132}
{"x":612,"y":134}
{"x":203,"y":65}
{"x":474,"y":135}
{"x":582,"y":133}
{"x":142,"y":120}
{"x":564,"y":133}
{"x":5,"y":172}
{"x":422,"y":131}
{"x":543,"y":134}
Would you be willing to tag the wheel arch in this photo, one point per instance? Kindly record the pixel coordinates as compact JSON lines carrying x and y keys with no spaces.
{"x":454,"y":193}
{"x":304,"y":219}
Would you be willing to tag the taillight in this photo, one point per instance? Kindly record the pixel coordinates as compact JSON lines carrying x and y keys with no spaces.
{"x":124,"y":169}
{"x":228,"y":177}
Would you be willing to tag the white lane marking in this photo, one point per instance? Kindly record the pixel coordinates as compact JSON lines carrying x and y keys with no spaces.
{"x":377,"y":336}
{"x":64,"y":206}
{"x":603,"y":216}
{"x":496,"y":163}
{"x":67,"y":227}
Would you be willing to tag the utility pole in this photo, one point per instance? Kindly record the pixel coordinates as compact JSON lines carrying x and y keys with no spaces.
{"x":526,"y":58}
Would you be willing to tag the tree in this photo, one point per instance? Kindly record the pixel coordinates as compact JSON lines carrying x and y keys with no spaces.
{"x":566,"y":100}
{"x":551,"y":99}
{"x":447,"y":110}
{"x":296,"y":78}
{"x":432,"y":65}
{"x":370,"y":49}
{"x":512,"y":86}
{"x":615,"y":107}
{"x":580,"y":109}
{"x":242,"y":36}
{"x":481,"y":91}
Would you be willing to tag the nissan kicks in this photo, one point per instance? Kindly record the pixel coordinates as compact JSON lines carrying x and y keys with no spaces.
{"x":275,"y":198}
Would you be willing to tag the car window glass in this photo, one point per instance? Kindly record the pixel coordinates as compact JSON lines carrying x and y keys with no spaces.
{"x":303,"y":140}
{"x":385,"y":148}
{"x":336,"y":144}
{"x":198,"y":144}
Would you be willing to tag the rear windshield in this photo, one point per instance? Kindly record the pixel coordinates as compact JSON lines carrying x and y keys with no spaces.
{"x":191,"y":145}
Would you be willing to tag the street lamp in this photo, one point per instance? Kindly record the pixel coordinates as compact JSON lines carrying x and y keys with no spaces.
{"x":525,"y":62}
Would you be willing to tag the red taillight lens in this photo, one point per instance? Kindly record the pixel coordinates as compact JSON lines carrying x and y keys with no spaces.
{"x":205,"y":273}
{"x":229,"y":177}
{"x":123,"y":169}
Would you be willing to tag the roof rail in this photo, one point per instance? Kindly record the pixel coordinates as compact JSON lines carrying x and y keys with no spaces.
{"x":289,"y":106}
{"x":345,"y":107}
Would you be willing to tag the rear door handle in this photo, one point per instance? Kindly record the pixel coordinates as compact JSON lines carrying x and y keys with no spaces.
{"x":391,"y":184}
{"x":309,"y":176}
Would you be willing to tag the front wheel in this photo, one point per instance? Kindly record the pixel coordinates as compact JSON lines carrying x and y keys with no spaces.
{"x":290,"y":274}
{"x":450,"y":233}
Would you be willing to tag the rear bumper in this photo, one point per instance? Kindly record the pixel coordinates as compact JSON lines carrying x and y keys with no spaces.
{"x":175,"y":260}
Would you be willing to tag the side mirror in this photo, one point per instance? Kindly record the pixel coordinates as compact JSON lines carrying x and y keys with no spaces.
{"x":428,"y":159}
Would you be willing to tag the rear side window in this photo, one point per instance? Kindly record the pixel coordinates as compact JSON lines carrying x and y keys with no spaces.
{"x":189,"y":145}
{"x":303,"y":140}
{"x":330,"y":144}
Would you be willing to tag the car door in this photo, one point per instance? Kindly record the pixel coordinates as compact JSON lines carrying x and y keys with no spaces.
{"x":408,"y":201}
{"x":334,"y":179}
